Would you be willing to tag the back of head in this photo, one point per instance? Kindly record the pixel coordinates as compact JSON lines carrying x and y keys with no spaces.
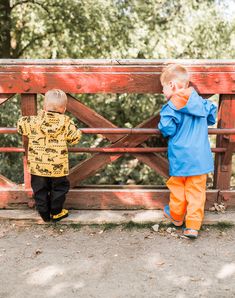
{"x":175,"y":72}
{"x":55,"y":100}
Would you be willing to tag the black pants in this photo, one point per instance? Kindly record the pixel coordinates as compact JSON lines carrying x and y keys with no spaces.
{"x":49,"y":194}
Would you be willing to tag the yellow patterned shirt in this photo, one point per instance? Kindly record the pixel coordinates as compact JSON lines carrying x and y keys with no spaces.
{"x":48,"y":134}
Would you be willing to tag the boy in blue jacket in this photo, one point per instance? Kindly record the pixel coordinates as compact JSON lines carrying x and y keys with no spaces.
{"x":184,"y":120}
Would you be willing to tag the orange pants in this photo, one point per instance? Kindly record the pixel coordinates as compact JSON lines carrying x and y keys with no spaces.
{"x":187,"y":199}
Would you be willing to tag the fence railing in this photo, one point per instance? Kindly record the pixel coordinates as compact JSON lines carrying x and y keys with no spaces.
{"x":31,"y":77}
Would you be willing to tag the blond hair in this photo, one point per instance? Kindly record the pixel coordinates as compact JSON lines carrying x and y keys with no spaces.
{"x":55,"y":99}
{"x":174,"y":72}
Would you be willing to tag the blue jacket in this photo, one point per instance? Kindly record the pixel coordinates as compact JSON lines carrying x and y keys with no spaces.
{"x":189,"y":150}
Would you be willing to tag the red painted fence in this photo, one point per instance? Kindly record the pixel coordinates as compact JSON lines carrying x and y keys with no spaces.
{"x":32,"y":77}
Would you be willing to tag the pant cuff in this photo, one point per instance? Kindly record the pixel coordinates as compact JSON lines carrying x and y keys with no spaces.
{"x":176,"y":216}
{"x":193,"y":224}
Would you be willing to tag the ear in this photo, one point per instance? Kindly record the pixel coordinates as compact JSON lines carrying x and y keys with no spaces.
{"x":171,"y":84}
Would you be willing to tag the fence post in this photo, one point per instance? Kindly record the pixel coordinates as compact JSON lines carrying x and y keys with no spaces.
{"x":223,"y":161}
{"x":28,"y":107}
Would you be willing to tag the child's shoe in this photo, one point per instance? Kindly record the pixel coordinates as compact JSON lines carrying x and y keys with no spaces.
{"x":191,"y":233}
{"x":64,"y":213}
{"x":166,"y":212}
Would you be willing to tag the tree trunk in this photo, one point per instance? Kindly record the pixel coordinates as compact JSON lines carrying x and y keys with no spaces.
{"x":5,"y":25}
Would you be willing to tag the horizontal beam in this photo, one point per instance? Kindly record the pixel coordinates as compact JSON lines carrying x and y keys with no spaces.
{"x":124,"y":198}
{"x":110,"y":149}
{"x":111,"y":76}
{"x":151,"y":131}
{"x":109,"y":62}
{"x":105,"y":198}
{"x":228,"y":198}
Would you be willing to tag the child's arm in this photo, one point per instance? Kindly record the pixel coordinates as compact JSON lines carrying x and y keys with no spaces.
{"x":23,"y":126}
{"x":211,"y":110}
{"x":73,"y":135}
{"x":168,"y":122}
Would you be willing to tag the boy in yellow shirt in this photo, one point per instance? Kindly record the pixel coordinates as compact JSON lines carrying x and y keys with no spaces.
{"x":49,"y":133}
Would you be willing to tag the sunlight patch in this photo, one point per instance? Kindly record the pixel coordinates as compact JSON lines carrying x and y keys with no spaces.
{"x":226,"y":271}
{"x":43,"y":276}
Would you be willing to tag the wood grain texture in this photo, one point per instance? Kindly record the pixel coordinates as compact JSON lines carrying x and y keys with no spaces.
{"x":28,"y":108}
{"x":29,"y":77}
{"x":104,"y":198}
{"x":110,"y":76}
{"x":128,"y":131}
{"x":223,"y":162}
{"x":98,"y":161}
{"x":90,"y":117}
{"x":5,"y":97}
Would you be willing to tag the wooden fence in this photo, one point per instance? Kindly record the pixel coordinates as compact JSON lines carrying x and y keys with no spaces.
{"x":31,"y":77}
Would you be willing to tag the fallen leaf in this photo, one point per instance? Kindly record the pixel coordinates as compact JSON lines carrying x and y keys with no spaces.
{"x":169,"y":230}
{"x":160,"y":264}
{"x":38,"y":251}
{"x":148,"y":237}
{"x":155,"y":227}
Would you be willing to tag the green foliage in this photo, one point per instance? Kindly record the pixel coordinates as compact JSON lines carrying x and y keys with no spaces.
{"x":10,"y":163}
{"x":69,"y":29}
{"x":153,"y":29}
{"x":119,"y":28}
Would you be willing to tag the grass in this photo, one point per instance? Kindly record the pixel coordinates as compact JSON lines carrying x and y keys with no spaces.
{"x":221,"y":226}
{"x":224,"y":226}
{"x":134,"y":225}
{"x":108,"y":226}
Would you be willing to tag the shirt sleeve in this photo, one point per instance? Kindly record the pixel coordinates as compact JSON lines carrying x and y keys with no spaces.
{"x":211,"y":110}
{"x":168,"y":122}
{"x":23,"y":126}
{"x":73,"y":135}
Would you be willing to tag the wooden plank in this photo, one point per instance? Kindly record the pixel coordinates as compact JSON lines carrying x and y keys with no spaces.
{"x":226,"y":119}
{"x":117,"y":199}
{"x":105,"y":199}
{"x":89,"y":117}
{"x":132,"y":131}
{"x":117,"y":150}
{"x":5,"y":97}
{"x":111,"y":83}
{"x":98,"y":161}
{"x":6,"y":183}
{"x":110,"y":76}
{"x":155,"y":161}
{"x":28,"y":107}
{"x":227,"y":160}
{"x":196,"y":63}
{"x":13,"y":196}
{"x":228,"y":198}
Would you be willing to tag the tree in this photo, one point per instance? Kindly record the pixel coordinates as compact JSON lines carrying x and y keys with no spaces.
{"x":111,"y":29}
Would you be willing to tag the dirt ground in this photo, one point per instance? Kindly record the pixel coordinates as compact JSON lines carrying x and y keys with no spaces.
{"x":98,"y":261}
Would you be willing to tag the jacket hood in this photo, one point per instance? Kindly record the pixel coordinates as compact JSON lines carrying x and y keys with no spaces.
{"x":188,"y":102}
{"x":52,"y":123}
